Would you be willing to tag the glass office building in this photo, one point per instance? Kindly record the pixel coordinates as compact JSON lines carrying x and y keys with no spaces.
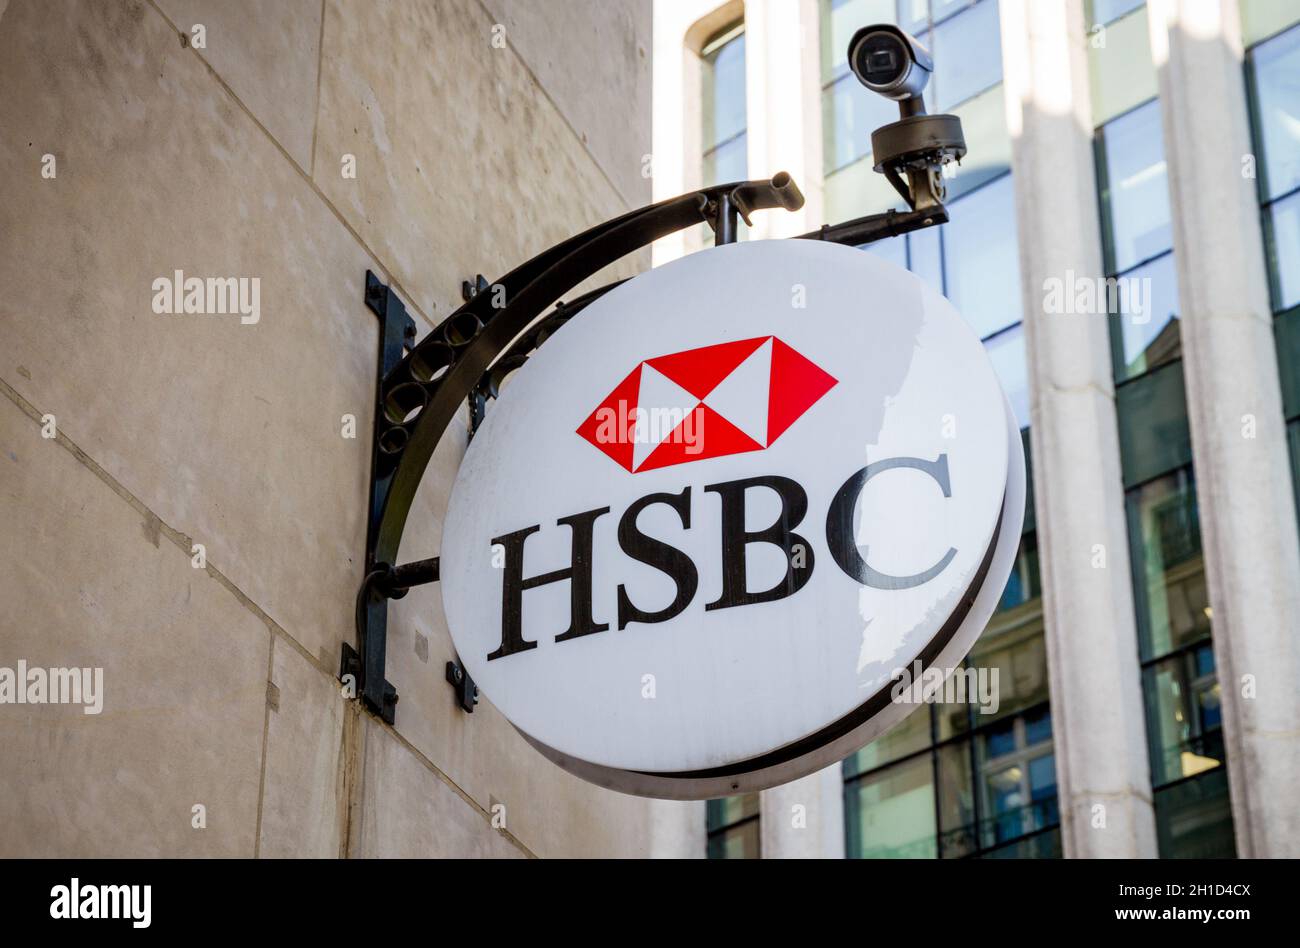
{"x":950,"y":782}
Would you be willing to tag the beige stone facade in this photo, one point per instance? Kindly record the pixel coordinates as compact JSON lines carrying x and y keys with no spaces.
{"x":214,"y":139}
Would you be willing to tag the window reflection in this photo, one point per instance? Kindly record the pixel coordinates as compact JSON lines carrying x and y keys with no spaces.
{"x":967,"y":51}
{"x":1282,"y":220}
{"x":1276,"y":72}
{"x":1023,"y":584}
{"x":849,"y":115}
{"x":1007,"y":353}
{"x":1147,"y":308}
{"x":891,"y":813}
{"x":981,"y":259}
{"x":1105,"y":11}
{"x":1185,"y":722}
{"x":1135,"y":195}
{"x":1172,"y":602}
{"x":732,"y":827}
{"x":1018,"y":777}
{"x":983,"y":784}
{"x":910,"y":735}
{"x":723,"y":106}
{"x":1194,"y":819}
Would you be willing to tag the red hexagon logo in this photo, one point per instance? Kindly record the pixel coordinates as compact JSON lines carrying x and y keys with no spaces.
{"x":705,"y":403}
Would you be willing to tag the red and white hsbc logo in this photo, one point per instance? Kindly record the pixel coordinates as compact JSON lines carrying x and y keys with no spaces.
{"x":695,"y":572}
{"x":745,"y":394}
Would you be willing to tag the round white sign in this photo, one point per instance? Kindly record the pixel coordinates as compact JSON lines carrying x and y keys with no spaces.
{"x":707,"y":523}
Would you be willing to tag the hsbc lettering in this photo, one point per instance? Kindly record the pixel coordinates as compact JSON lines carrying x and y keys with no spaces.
{"x":734,"y":541}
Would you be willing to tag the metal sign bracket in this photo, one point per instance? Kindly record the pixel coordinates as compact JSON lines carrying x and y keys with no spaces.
{"x":466,"y":358}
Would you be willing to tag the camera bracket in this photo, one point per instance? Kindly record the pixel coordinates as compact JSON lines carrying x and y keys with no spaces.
{"x":912,"y":152}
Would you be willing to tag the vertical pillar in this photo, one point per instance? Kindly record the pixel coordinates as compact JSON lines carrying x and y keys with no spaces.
{"x":804,"y":819}
{"x":1099,"y":731}
{"x":1234,"y":406}
{"x":783,"y":93}
{"x":677,"y":829}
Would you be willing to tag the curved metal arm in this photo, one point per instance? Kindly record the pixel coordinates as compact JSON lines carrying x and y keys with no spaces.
{"x":422,"y":394}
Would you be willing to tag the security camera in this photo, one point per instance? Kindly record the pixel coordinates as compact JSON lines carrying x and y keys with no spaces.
{"x":912,"y":152}
{"x":890,"y":62}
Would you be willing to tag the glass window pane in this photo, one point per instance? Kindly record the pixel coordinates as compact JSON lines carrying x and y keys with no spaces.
{"x":1024,"y":584}
{"x":1019,"y":654}
{"x":733,"y":827}
{"x":1121,"y":74}
{"x":1293,"y":439}
{"x":1147,"y":304}
{"x":1008,"y":804}
{"x":916,"y":15}
{"x":728,"y":810}
{"x":1045,"y":845}
{"x":1183,"y":723}
{"x":840,"y":20}
{"x":723,"y":103}
{"x":1282,"y":231}
{"x":1000,"y":740}
{"x":1043,"y":811}
{"x":1017,"y":778}
{"x":893,"y":249}
{"x":738,"y":842}
{"x":849,"y":115}
{"x":984,"y":124}
{"x":953,"y":719}
{"x":1194,"y":818}
{"x":907,"y":737}
{"x":1173,"y":606}
{"x":1277,"y":96}
{"x":1260,"y":19}
{"x":1038,"y":727}
{"x":1042,"y":778}
{"x":1154,"y":437}
{"x":1103,"y":11}
{"x":727,"y":163}
{"x":1286,"y":332}
{"x":967,"y":50}
{"x":890,"y":814}
{"x":1136,"y":193}
{"x":856,"y":191}
{"x":924,"y":258}
{"x":1007,"y":353}
{"x":981,"y":260}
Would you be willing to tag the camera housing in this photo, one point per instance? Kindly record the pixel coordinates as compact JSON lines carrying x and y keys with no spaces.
{"x":890,"y":62}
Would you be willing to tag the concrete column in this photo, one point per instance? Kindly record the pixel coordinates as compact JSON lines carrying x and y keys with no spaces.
{"x":804,"y":819}
{"x":783,"y":106}
{"x":677,"y":829}
{"x":1103,"y":773}
{"x":1243,"y":478}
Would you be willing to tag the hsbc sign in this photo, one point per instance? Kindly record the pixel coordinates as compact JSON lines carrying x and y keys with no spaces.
{"x":707,"y":521}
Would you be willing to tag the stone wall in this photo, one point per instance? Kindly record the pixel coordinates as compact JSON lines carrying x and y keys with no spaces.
{"x":222,"y":152}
